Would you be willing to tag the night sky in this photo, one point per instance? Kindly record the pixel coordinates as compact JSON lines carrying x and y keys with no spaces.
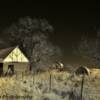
{"x":70,"y":20}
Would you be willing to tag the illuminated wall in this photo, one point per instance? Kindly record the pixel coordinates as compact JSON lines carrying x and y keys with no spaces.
{"x":16,"y":56}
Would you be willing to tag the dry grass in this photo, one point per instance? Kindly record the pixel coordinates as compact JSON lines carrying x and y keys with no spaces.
{"x":63,"y":84}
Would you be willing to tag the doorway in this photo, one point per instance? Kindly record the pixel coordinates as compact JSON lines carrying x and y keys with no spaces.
{"x":1,"y":69}
{"x":11,"y":69}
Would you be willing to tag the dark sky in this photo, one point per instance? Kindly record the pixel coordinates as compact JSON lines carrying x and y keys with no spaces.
{"x":63,"y":15}
{"x":70,"y":19}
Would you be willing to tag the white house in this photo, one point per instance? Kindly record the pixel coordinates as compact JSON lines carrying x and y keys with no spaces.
{"x":14,"y":59}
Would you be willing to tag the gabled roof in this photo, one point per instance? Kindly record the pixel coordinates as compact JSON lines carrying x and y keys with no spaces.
{"x":5,"y":52}
{"x":12,"y":54}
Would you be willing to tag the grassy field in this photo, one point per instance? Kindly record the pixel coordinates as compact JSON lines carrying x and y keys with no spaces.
{"x":49,"y":86}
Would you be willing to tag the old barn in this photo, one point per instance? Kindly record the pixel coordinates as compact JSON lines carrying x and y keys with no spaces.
{"x":14,"y":59}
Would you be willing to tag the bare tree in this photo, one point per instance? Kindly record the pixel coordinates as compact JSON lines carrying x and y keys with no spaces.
{"x":32,"y":36}
{"x":90,"y":49}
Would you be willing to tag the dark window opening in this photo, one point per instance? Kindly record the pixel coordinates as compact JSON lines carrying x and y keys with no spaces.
{"x":11,"y":69}
{"x":1,"y":69}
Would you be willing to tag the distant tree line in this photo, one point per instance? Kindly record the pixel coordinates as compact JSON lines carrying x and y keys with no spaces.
{"x":89,"y":49}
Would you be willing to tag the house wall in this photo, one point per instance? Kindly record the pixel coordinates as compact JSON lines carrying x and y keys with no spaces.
{"x":16,"y":56}
{"x":18,"y":67}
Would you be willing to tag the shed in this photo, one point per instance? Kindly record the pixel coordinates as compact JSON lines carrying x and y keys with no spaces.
{"x":14,"y":59}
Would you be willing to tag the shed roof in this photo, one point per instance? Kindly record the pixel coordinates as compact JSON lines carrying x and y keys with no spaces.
{"x":5,"y":52}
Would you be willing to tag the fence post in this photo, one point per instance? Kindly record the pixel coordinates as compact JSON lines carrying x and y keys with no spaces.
{"x":22,"y":75}
{"x":33,"y":77}
{"x":50,"y":79}
{"x":82,"y":84}
{"x":16,"y":75}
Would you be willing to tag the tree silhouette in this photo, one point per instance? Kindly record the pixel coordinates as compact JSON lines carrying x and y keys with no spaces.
{"x":90,"y":49}
{"x":32,"y":36}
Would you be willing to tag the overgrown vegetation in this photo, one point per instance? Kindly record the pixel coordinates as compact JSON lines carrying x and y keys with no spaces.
{"x":62,"y":86}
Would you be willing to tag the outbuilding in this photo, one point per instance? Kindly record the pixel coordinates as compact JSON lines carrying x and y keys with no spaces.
{"x":14,"y":59}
